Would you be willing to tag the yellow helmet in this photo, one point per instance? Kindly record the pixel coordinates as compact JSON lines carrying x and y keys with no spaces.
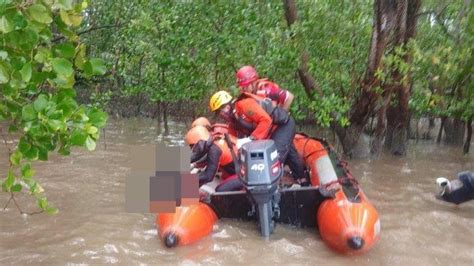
{"x":219,"y":99}
{"x":196,"y":134}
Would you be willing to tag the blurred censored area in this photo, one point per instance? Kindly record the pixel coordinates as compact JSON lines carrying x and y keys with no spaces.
{"x":160,"y":179}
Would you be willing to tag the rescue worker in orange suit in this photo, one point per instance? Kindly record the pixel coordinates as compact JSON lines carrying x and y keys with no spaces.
{"x":248,"y":81}
{"x":214,"y":155}
{"x":247,"y":117}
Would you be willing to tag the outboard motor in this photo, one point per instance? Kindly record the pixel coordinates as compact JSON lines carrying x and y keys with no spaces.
{"x":260,"y":172}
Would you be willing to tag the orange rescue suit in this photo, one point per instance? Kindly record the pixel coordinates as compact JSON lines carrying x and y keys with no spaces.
{"x":249,"y":110}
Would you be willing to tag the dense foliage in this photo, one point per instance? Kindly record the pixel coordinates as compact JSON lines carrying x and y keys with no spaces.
{"x":169,"y":51}
{"x":41,"y":57}
{"x":444,"y":60}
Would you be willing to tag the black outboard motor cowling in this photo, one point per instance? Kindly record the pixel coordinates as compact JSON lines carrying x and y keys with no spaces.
{"x":261,"y":171}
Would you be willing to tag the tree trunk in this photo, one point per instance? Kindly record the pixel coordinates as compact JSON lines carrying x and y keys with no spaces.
{"x":431,"y":125}
{"x":467,"y":144}
{"x":291,"y":13}
{"x":165,"y":119}
{"x":410,"y":128}
{"x":405,"y":29}
{"x":454,"y":131}
{"x":390,"y":16}
{"x":380,"y":130}
{"x":158,"y":117}
{"x":365,"y":105}
{"x":440,"y":132}
{"x":417,"y":129}
{"x":310,"y":85}
{"x":398,"y":122}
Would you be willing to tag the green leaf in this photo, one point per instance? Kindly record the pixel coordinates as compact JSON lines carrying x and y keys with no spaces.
{"x":4,"y":73}
{"x":26,"y":72}
{"x":63,"y":28}
{"x":80,"y":60}
{"x":70,"y":19}
{"x":6,"y":25}
{"x":65,"y":150}
{"x":65,"y":50}
{"x":26,"y":171}
{"x":90,"y":144}
{"x":65,"y":82}
{"x":95,"y":66}
{"x":28,"y":113}
{"x":42,"y":154}
{"x":16,"y":188}
{"x":15,"y":158}
{"x":8,"y":183}
{"x":16,"y":81}
{"x":78,"y":137}
{"x":43,"y":203}
{"x":66,"y":92}
{"x":3,"y":55}
{"x":19,"y":20}
{"x":56,"y":125}
{"x":92,"y":130}
{"x":40,"y":13}
{"x":52,"y":210}
{"x":42,"y":55}
{"x":65,"y":4}
{"x":32,"y":154}
{"x":97,"y":118}
{"x":35,"y":188}
{"x":67,"y":106}
{"x":40,"y":103}
{"x":23,"y":146}
{"x":62,"y":66}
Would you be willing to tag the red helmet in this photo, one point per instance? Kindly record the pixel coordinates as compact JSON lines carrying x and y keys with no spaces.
{"x":246,"y":75}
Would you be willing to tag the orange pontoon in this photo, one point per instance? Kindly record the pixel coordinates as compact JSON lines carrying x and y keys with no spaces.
{"x":187,"y":225}
{"x":348,"y":223}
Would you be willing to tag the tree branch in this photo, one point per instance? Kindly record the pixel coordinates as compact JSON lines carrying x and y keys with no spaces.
{"x":8,"y":202}
{"x":291,"y":13}
{"x":309,"y":83}
{"x":19,"y":209}
{"x":93,"y":28}
{"x":5,"y":141}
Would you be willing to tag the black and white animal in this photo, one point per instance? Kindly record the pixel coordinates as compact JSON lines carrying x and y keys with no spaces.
{"x":458,"y":190}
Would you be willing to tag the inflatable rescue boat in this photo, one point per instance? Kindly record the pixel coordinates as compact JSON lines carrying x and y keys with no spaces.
{"x":334,"y":203}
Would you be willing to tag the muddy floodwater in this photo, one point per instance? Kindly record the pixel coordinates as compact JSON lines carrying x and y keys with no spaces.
{"x":92,"y":226}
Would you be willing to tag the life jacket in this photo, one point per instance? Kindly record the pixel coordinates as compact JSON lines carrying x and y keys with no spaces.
{"x":263,"y":85}
{"x":226,"y":160}
{"x":268,"y":89}
{"x":279,"y":115}
{"x":226,"y":156}
{"x":218,"y":130}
